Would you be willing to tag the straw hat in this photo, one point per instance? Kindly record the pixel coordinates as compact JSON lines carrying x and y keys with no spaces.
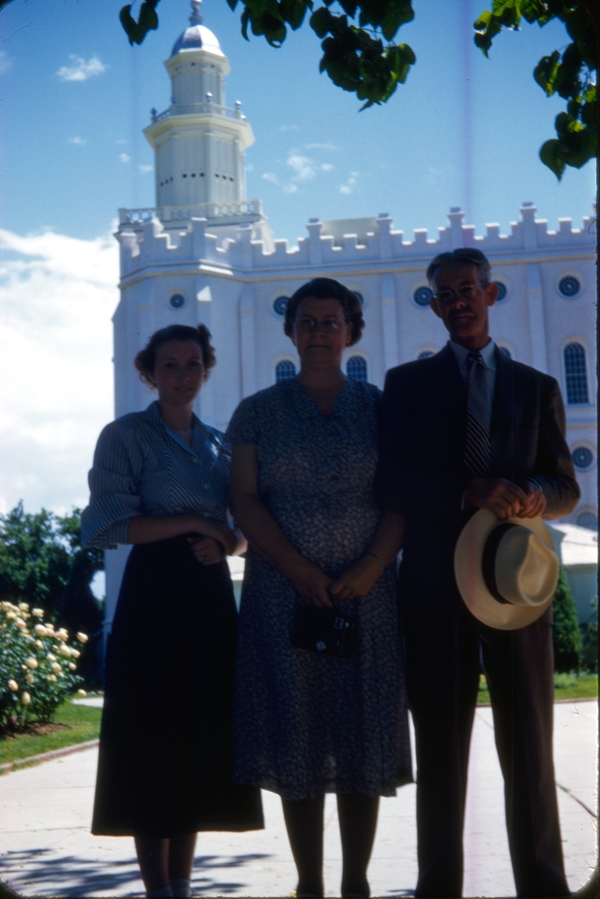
{"x":506,"y":572}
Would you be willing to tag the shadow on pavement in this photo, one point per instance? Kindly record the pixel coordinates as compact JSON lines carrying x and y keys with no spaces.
{"x":30,"y":873}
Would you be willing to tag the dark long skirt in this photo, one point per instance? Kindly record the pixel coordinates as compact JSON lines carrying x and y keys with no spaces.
{"x":164,"y":763}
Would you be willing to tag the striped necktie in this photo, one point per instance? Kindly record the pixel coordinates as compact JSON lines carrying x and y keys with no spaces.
{"x":478,"y":450}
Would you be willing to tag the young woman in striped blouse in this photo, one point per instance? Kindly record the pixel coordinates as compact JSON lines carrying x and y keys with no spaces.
{"x":159,"y":481}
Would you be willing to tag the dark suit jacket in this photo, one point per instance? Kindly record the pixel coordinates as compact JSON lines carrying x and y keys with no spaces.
{"x":422,"y":474}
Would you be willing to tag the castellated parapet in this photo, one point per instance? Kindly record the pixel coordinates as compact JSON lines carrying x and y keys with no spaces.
{"x":373,"y":241}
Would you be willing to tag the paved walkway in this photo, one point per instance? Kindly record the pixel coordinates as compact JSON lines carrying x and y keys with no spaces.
{"x":46,"y":848}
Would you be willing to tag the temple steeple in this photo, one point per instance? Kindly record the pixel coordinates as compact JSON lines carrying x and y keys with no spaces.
{"x":199,"y":143}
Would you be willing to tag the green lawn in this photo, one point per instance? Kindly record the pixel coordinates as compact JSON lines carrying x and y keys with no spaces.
{"x":82,"y":723}
{"x":566,"y":686}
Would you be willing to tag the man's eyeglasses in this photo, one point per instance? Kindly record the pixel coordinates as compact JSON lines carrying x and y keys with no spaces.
{"x":467,"y":292}
{"x":326,"y":325}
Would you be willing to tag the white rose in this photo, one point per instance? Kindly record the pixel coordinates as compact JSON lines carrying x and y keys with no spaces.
{"x":30,"y":679}
{"x":75,"y":653}
{"x":72,"y":666}
{"x":25,"y":698}
{"x":51,"y":677}
{"x":31,"y":662}
{"x":10,"y":615}
{"x":81,"y":693}
{"x":56,"y":667}
{"x":83,"y":638}
{"x":50,"y":657}
{"x":41,"y":630}
{"x":39,"y":613}
{"x":13,"y":685}
{"x":24,"y":605}
{"x":20,"y":623}
{"x":39,"y":644}
{"x":62,"y":634}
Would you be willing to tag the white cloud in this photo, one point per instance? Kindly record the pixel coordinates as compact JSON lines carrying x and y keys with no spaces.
{"x":304,"y":169}
{"x":57,"y":298}
{"x":78,"y":141}
{"x":80,"y":70}
{"x":348,"y":187}
{"x":5,"y":62}
{"x":125,"y":157}
{"x":144,"y":169}
{"x":327,"y":146}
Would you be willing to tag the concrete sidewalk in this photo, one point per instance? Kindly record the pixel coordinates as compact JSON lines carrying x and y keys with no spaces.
{"x":46,"y":847}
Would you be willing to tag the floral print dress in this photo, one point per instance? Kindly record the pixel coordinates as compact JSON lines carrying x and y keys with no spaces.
{"x":306,"y":724}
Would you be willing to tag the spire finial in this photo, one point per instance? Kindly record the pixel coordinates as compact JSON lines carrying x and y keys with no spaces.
{"x":196,"y":17}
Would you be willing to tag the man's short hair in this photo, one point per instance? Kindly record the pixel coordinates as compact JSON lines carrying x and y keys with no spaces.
{"x":462,"y":256}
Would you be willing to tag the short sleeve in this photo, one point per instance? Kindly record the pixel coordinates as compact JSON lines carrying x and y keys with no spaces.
{"x":244,"y":425}
{"x":113,"y":481}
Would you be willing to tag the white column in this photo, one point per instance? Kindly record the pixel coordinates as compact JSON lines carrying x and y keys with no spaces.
{"x":535,"y":306}
{"x":388,"y":321}
{"x":247,"y":344}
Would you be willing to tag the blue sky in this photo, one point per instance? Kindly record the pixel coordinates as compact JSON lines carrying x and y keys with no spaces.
{"x":463,"y":131}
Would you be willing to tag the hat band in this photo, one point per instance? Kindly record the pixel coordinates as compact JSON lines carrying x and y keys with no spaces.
{"x":488,"y":560}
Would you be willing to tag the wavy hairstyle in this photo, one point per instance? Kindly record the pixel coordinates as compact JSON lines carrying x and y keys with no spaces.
{"x":145,"y":361}
{"x":327,"y":289}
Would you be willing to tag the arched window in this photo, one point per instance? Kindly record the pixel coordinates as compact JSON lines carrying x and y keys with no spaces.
{"x":284,"y":370}
{"x":575,"y":374}
{"x":356,"y":368}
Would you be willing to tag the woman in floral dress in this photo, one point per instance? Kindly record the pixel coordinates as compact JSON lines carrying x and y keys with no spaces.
{"x":304,"y":458}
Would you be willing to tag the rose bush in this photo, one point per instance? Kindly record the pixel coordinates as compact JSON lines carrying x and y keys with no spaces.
{"x":37,"y":665}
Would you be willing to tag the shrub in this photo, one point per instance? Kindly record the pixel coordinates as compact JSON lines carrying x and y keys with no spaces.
{"x":565,"y":631}
{"x":589,"y":637}
{"x":37,"y":665}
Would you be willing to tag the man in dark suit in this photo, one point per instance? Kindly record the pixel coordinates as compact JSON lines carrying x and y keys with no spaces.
{"x":522,"y":468}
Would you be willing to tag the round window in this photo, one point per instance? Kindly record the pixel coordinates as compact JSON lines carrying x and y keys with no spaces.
{"x":569,"y":286}
{"x":422,"y":296}
{"x":502,"y":291}
{"x":177,"y":301}
{"x":588,"y":520}
{"x":582,"y":458}
{"x":279,"y":305}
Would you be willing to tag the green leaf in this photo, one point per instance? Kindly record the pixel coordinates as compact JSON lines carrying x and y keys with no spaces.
{"x":397,"y":13}
{"x":148,"y":21}
{"x":293,"y":11}
{"x":319,"y":21}
{"x":546,"y":71}
{"x":552,"y":156}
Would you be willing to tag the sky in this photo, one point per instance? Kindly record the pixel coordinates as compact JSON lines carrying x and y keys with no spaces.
{"x":74,"y":98}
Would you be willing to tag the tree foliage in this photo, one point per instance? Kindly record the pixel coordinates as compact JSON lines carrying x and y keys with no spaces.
{"x":38,"y":552}
{"x":570,"y":73}
{"x":361,"y":55}
{"x":43,"y":563}
{"x":566,"y":634}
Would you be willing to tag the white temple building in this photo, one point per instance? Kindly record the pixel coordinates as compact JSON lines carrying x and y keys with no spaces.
{"x":205,"y":254}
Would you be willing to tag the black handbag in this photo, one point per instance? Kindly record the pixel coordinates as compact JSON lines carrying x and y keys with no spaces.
{"x":325,"y":631}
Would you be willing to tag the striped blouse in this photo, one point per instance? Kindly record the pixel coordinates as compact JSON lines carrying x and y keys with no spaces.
{"x":143,"y":467}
